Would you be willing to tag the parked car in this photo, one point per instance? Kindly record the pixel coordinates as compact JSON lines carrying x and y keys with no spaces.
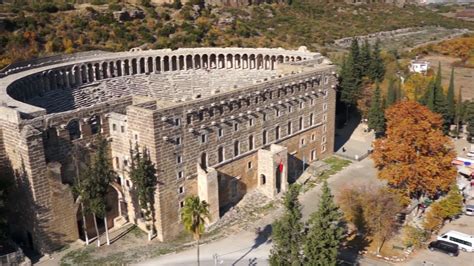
{"x":445,"y":247}
{"x":469,"y":210}
{"x":464,"y":241}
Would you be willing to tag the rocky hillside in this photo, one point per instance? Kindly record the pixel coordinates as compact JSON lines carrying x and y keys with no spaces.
{"x":44,"y":28}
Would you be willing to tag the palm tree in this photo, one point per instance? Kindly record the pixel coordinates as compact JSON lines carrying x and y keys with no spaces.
{"x":193,"y":215}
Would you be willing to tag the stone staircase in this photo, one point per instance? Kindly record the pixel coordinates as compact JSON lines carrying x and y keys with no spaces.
{"x":117,"y":233}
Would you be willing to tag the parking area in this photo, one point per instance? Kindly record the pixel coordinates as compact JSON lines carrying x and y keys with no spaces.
{"x":464,"y":224}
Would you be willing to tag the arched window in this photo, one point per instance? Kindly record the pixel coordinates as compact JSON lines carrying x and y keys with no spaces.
{"x":264,"y":137}
{"x":311,"y":119}
{"x":250,"y":142}
{"x":220,"y":154}
{"x":301,"y":124}
{"x":289,"y":128}
{"x":236,"y":148}
{"x":277,"y":132}
{"x":263,"y":179}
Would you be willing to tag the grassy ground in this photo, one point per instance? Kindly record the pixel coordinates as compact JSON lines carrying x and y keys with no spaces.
{"x":335,"y":164}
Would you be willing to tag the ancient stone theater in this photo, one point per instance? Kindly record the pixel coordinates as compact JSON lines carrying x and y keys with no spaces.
{"x":217,"y":122}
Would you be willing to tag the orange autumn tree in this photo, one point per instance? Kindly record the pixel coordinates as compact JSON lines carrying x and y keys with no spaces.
{"x":414,"y":157}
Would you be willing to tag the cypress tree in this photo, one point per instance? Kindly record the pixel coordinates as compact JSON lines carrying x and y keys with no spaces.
{"x":349,"y":84}
{"x":101,"y":176}
{"x":470,"y":120}
{"x":287,"y":235}
{"x":325,"y":234}
{"x":391,"y":93}
{"x":429,"y":97}
{"x":450,"y":98}
{"x":365,"y":58}
{"x":376,"y":113}
{"x":356,"y":59}
{"x":459,"y":112}
{"x":377,"y":68}
{"x":143,"y":176}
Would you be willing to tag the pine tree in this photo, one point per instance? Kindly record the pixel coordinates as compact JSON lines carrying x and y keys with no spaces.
{"x":429,"y":97}
{"x":376,"y":113}
{"x":325,"y":234}
{"x":377,"y":68}
{"x":391,"y":94}
{"x":450,"y":98}
{"x":459,"y":112}
{"x":143,"y":176}
{"x":356,"y":59}
{"x":349,"y":84}
{"x":365,"y":58}
{"x":287,"y":235}
{"x":469,"y":118}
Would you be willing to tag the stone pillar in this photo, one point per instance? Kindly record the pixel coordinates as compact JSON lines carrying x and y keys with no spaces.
{"x":122,"y":65}
{"x":208,"y":190}
{"x":269,"y":169}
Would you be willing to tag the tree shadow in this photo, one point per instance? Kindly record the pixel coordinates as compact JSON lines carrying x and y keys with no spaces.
{"x":263,"y":236}
{"x":352,"y":249}
{"x":343,"y":134}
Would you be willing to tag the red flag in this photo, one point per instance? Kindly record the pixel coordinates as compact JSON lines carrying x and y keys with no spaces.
{"x":280,"y":167}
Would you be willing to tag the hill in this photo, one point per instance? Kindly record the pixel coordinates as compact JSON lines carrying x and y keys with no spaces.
{"x":32,"y":30}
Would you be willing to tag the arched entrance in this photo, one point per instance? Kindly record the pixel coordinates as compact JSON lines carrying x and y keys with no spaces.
{"x":278,"y":180}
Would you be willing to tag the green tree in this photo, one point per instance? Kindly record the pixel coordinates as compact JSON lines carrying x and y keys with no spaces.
{"x":143,"y":176}
{"x":101,"y":175}
{"x":350,"y":79}
{"x":444,"y":209}
{"x":376,"y":115}
{"x":391,"y":93}
{"x":194,"y":215}
{"x":469,"y":118}
{"x":377,"y":67}
{"x":450,"y":98}
{"x":365,"y":58}
{"x":287,"y":235}
{"x":325,"y":233}
{"x":459,"y":112}
{"x":356,"y":59}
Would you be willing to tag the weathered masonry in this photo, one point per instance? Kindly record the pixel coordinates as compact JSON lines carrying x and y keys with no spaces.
{"x":218,"y":123}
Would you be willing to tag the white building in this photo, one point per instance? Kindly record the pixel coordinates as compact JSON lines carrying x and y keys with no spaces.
{"x":419,"y":66}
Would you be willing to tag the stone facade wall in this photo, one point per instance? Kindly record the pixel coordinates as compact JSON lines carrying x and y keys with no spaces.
{"x":219,"y":134}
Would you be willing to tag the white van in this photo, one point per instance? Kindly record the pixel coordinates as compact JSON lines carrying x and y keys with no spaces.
{"x":464,"y":241}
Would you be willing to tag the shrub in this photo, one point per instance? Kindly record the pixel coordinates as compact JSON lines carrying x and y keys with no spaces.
{"x":414,"y":237}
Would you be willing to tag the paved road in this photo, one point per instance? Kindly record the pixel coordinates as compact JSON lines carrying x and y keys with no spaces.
{"x":248,"y":248}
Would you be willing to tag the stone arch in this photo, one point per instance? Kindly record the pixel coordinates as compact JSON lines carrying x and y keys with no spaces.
{"x":220,"y":61}
{"x":189,"y":62}
{"x":280,"y":59}
{"x":174,"y":63}
{"x":212,"y":61}
{"x":260,"y":63}
{"x":252,"y":61}
{"x":84,"y":73}
{"x":311,"y":118}
{"x":126,"y":67}
{"x":229,"y":61}
{"x":104,"y":70}
{"x":166,"y":63}
{"x":134,"y":66}
{"x":149,"y":65}
{"x":118,"y":66}
{"x":197,"y":61}
{"x":112,"y":68}
{"x":77,"y":75}
{"x":264,"y":137}
{"x":251,"y":143}
{"x":158,"y":64}
{"x":97,"y":71}
{"x":277,"y":132}
{"x":298,"y":58}
{"x":205,"y":61}
{"x":287,"y":59}
{"x":181,"y":63}
{"x":237,"y":61}
{"x":263,"y":179}
{"x":141,"y":69}
{"x":245,"y":61}
{"x":74,"y":129}
{"x":272,"y":62}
